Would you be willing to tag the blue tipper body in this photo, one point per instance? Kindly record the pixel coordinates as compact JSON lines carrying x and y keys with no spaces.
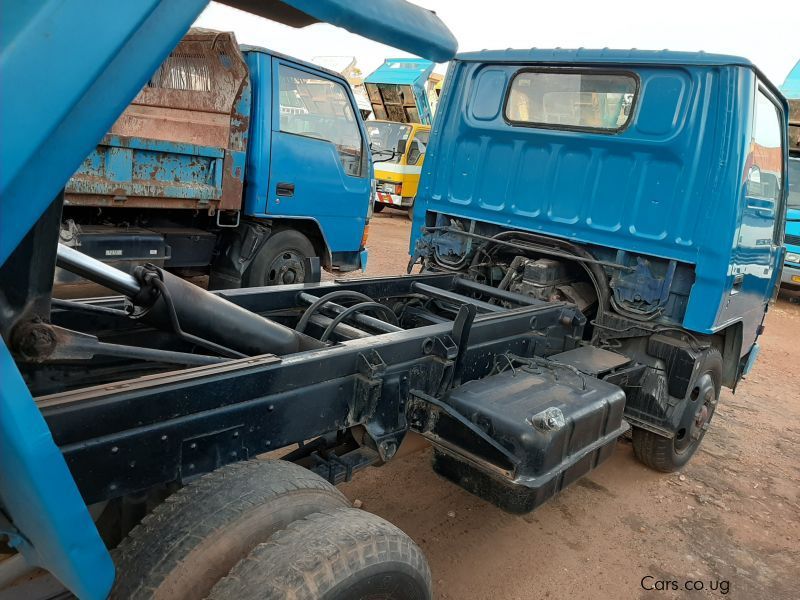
{"x":70,"y":68}
{"x":401,"y":81}
{"x":668,"y":188}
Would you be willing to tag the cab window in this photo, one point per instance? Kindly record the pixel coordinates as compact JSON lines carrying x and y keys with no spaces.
{"x":418,"y":147}
{"x":319,"y":108}
{"x":571,"y":100}
{"x":384,"y":139}
{"x":765,"y":169}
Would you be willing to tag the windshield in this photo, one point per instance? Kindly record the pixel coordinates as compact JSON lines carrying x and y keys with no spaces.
{"x":794,"y":183}
{"x":384,"y":136}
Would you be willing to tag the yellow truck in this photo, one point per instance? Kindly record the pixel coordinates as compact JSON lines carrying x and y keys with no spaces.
{"x":398,"y":93}
{"x":399,"y":150}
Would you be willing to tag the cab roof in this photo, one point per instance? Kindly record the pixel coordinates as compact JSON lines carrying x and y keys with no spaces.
{"x":604,"y":55}
{"x":245,"y":48}
{"x":608,"y":56}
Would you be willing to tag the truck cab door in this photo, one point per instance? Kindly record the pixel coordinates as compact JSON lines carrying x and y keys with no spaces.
{"x":757,"y":251}
{"x":319,"y":166}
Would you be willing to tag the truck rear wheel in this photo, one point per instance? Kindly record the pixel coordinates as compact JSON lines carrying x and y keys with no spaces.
{"x":280,"y":260}
{"x":670,"y":454}
{"x":336,"y":554}
{"x":194,"y":538}
{"x":378,"y":206}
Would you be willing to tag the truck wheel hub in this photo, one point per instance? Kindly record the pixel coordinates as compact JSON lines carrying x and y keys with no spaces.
{"x":286,"y":268}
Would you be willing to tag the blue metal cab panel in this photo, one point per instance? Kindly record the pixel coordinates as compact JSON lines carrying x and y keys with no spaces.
{"x":669,"y":184}
{"x":334,"y":197}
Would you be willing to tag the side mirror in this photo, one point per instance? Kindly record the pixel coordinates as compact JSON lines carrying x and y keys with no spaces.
{"x":401,"y":146}
{"x":754,"y":175}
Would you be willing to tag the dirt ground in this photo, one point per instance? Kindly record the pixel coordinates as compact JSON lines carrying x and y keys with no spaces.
{"x":730,"y":521}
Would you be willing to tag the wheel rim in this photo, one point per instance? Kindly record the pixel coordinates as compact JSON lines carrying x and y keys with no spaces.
{"x":286,"y":268}
{"x":702,"y":401}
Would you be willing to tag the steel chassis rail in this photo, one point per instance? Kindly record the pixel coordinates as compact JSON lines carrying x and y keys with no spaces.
{"x":125,"y":437}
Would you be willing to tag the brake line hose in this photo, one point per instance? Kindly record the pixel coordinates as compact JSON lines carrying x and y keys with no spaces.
{"x":303,"y":322}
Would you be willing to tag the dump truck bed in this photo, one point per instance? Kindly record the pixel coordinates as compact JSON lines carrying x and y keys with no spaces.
{"x":181,"y":143}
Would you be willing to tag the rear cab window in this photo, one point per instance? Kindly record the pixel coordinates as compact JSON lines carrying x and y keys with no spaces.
{"x":579,"y":99}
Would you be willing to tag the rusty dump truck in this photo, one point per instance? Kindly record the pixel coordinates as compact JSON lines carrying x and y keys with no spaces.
{"x":239,"y":164}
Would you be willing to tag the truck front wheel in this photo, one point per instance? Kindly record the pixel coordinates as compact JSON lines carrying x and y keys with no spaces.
{"x":280,"y":260}
{"x":336,"y":554}
{"x":670,"y":454}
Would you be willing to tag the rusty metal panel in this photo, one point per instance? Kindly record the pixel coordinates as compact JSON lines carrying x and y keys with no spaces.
{"x":181,"y":143}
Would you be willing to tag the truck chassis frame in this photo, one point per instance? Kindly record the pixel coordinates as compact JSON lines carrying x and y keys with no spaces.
{"x":126,"y":436}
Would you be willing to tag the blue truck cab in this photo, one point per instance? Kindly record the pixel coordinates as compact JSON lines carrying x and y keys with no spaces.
{"x":790,"y":276}
{"x":649,"y":188}
{"x":235,"y":162}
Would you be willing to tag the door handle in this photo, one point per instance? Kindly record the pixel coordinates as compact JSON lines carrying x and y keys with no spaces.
{"x":284,"y":189}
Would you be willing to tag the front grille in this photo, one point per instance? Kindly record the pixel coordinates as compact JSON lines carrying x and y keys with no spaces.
{"x":793,"y":240}
{"x":386,"y":187}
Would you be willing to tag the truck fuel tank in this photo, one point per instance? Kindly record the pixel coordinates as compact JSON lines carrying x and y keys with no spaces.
{"x":553,"y":423}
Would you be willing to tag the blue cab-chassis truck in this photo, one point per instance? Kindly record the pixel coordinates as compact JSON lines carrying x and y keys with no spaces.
{"x":600,"y":234}
{"x":238,"y":164}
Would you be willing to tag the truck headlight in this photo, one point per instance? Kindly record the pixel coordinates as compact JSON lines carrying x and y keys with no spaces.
{"x":791,"y":257}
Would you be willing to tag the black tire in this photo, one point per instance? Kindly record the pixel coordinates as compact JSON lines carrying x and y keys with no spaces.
{"x":337,"y":554}
{"x":410,"y":212}
{"x":194,"y":538}
{"x":280,"y":260}
{"x":378,"y":207}
{"x":671,"y":454}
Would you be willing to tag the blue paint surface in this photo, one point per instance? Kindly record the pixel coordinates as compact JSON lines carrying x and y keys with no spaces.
{"x":791,"y":86}
{"x":37,"y":491}
{"x":324,"y":193}
{"x":409,"y":72}
{"x":670,"y":185}
{"x":132,"y":166}
{"x":397,"y":24}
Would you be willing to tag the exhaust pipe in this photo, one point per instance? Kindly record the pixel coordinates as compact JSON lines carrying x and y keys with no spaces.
{"x":170,"y":303}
